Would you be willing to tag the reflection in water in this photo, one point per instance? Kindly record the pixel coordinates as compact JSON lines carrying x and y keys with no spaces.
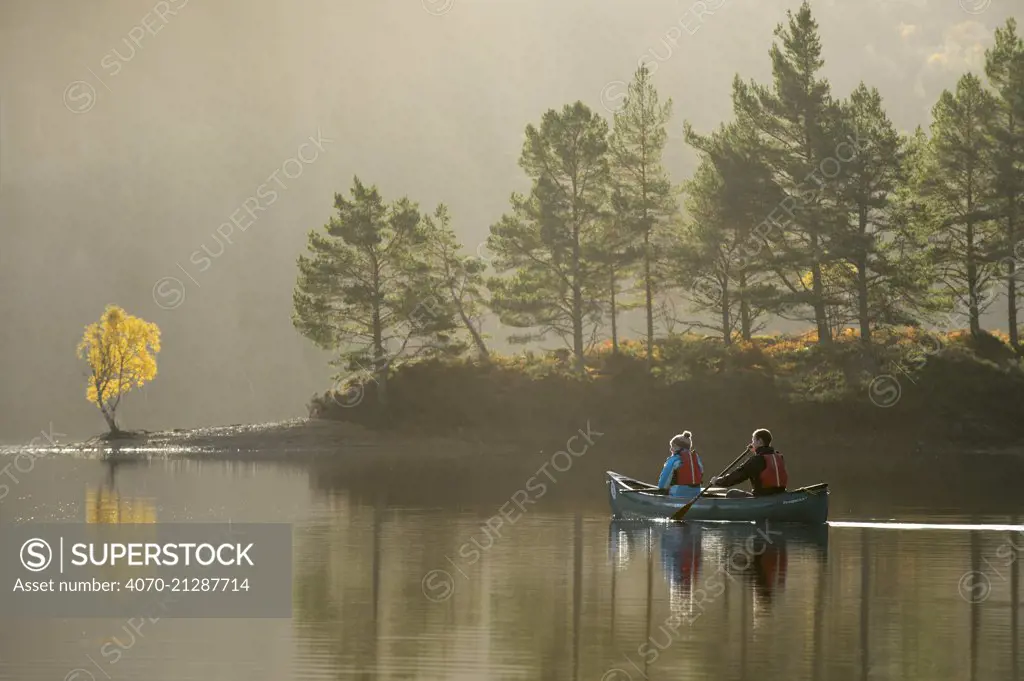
{"x":104,"y":504}
{"x":577,"y":593}
{"x":555,"y":595}
{"x":918,"y":641}
{"x":975,"y":610}
{"x":992,"y":572}
{"x":820,"y":603}
{"x":1015,"y":612}
{"x":754,"y":558}
{"x":681,"y":561}
{"x":755,"y":555}
{"x":865,"y":600}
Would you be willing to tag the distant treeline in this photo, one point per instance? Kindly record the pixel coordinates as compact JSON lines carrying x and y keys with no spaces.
{"x":804,"y":207}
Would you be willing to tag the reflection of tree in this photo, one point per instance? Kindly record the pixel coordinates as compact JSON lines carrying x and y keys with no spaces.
{"x":105,"y":505}
{"x":894,"y":596}
{"x":1015,"y":606}
{"x":820,"y":605}
{"x":577,"y":593}
{"x":975,"y":609}
{"x":865,"y":601}
{"x":334,"y":581}
{"x":524,"y":608}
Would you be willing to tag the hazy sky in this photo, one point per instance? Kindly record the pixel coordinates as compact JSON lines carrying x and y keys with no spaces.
{"x":131,"y":130}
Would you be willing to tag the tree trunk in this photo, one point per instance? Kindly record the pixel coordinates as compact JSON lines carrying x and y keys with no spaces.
{"x":109,"y":411}
{"x":973,"y":306}
{"x":1011,"y":276}
{"x":817,"y":288}
{"x":478,"y":340}
{"x":481,"y":347}
{"x":382,"y":381}
{"x":1011,"y":293}
{"x":1013,"y":196}
{"x":380,"y":362}
{"x":615,"y":328}
{"x":726,"y":321}
{"x":111,"y":418}
{"x":820,"y":312}
{"x":745,"y":322}
{"x":649,"y":299}
{"x":863,"y":313}
{"x":577,"y":303}
{"x":111,"y":423}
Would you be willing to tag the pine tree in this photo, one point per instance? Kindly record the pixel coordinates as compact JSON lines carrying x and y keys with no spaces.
{"x":957,"y":182}
{"x":646,"y":195}
{"x":910,"y":293}
{"x":458,"y":278}
{"x":729,"y":194}
{"x":1004,"y":65}
{"x":795,"y":119}
{"x":882,"y":278}
{"x":616,"y":253}
{"x":554,"y":288}
{"x":364,"y":291}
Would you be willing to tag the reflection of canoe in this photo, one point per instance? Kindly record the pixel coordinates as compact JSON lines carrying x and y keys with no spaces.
{"x":626,"y":537}
{"x":693,"y":553}
{"x":633,"y":499}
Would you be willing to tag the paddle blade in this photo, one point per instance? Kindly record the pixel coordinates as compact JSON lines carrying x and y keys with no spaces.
{"x":678,"y":515}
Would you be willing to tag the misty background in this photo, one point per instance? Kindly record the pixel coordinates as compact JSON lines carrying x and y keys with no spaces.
{"x":116,"y":167}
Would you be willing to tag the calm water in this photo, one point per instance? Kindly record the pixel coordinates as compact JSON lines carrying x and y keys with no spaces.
{"x":395,"y":581}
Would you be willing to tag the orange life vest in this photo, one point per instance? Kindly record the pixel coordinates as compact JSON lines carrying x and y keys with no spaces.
{"x":688,"y":472}
{"x":774,"y":473}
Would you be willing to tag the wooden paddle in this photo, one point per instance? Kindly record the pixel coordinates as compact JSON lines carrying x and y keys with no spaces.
{"x":678,"y":515}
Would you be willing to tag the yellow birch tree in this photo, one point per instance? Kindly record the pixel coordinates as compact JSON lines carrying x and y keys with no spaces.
{"x":120,"y":350}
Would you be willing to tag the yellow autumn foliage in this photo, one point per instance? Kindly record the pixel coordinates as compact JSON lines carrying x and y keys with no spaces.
{"x":120,"y":350}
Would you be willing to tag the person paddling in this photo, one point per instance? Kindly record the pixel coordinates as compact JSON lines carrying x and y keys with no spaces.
{"x":683,"y":473}
{"x":766,"y":469}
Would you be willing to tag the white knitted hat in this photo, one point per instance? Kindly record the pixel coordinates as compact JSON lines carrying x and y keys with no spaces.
{"x":682,"y":441}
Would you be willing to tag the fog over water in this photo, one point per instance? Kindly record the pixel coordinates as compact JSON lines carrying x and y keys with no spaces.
{"x":186,"y":108}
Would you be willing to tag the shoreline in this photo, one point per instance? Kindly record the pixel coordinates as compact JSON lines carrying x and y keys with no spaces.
{"x":300,"y":439}
{"x":318,"y":439}
{"x":963,"y":398}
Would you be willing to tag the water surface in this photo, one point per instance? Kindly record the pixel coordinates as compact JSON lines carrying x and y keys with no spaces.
{"x":395,"y":578}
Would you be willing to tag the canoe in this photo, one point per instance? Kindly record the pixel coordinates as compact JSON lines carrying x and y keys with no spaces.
{"x":635,"y":500}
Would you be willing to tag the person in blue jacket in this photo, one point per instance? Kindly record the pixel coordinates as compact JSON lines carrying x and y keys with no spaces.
{"x":683,"y":473}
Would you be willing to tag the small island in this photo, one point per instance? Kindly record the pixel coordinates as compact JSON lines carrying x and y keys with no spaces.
{"x":890,"y":247}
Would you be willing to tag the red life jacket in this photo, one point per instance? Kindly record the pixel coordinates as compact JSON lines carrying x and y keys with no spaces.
{"x":688,"y":472}
{"x":774,"y":473}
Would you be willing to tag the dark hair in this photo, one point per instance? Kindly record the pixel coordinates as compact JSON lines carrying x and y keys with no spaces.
{"x":764,"y":436}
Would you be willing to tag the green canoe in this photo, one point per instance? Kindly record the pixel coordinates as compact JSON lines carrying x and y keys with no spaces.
{"x":635,"y":500}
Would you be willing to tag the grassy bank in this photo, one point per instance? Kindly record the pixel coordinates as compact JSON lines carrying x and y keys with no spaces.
{"x":910,"y":386}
